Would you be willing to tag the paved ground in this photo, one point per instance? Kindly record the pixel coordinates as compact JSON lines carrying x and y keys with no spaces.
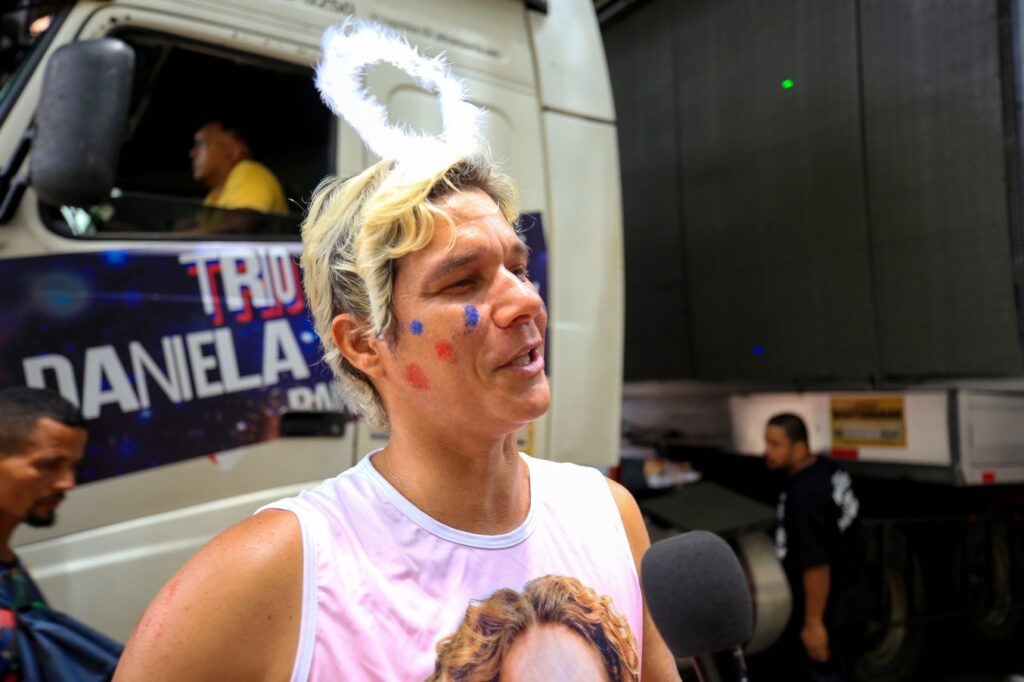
{"x":944,"y":659}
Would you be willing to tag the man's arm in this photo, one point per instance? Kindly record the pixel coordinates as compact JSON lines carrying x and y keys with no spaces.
{"x":817,"y":581}
{"x":658,"y":663}
{"x":231,"y":613}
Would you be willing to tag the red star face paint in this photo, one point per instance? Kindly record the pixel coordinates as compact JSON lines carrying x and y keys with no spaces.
{"x":445,"y":352}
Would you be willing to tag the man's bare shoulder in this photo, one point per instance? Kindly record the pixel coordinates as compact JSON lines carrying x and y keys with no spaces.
{"x":231,"y":612}
{"x":658,"y":663}
{"x":625,"y":502}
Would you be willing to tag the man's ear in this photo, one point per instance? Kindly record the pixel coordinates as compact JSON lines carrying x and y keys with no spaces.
{"x":351,"y":339}
{"x":237,"y":151}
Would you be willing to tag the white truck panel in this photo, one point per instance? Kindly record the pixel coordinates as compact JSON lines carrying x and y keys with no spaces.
{"x":926,"y":420}
{"x":283,"y":461}
{"x":991,"y":437}
{"x":566,"y":40}
{"x":512,"y":125}
{"x":587,"y":290}
{"x":487,"y":37}
{"x":106,"y":576}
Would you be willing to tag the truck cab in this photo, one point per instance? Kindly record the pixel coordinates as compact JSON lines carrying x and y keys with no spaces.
{"x":181,"y":330}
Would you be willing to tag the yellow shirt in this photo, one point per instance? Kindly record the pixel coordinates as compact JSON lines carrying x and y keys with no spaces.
{"x":250,"y":184}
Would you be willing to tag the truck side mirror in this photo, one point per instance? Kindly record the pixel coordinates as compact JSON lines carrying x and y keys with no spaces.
{"x":80,"y":121}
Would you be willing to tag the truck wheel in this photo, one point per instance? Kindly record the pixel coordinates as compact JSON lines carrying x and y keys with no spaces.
{"x":993,"y":619}
{"x":773,"y":601}
{"x":893,"y":642}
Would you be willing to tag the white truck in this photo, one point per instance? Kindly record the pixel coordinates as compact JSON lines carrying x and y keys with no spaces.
{"x":191,"y":354}
{"x":938,"y":470}
{"x":824,"y":209}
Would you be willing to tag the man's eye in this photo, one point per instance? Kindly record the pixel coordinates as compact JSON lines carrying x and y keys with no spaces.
{"x":461,"y":284}
{"x":522,"y":273}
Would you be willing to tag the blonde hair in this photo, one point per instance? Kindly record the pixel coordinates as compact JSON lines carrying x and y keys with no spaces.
{"x":354,"y":232}
{"x":476,"y":651}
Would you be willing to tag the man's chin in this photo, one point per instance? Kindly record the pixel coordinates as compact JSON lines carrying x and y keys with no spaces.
{"x":37,"y":520}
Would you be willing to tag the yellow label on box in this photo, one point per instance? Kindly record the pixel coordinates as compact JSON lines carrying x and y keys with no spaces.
{"x":863,"y":421}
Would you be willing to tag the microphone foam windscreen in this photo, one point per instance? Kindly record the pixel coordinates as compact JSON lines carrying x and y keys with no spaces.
{"x":697,"y":594}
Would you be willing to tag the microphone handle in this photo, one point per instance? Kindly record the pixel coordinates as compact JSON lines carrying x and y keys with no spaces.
{"x":722,"y":666}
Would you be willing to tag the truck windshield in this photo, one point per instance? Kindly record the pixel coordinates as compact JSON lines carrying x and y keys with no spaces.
{"x":23,"y":26}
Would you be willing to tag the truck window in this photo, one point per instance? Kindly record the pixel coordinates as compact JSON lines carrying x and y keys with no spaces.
{"x":180,"y":86}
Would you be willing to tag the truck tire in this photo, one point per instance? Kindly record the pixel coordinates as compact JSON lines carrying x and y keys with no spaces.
{"x":773,"y":601}
{"x":992,"y":566}
{"x":894,"y":641}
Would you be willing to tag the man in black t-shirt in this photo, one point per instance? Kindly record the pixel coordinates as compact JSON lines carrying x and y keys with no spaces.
{"x":819,"y":543}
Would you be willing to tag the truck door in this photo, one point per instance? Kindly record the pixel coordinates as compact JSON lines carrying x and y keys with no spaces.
{"x":178,"y":328}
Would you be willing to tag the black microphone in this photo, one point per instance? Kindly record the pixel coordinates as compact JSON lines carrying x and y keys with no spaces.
{"x":698,"y":597}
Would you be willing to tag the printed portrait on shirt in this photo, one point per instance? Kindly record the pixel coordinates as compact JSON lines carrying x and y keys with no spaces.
{"x":556,"y":629}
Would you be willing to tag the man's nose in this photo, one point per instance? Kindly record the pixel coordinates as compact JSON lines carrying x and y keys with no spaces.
{"x":67,"y":480}
{"x":518,"y":301}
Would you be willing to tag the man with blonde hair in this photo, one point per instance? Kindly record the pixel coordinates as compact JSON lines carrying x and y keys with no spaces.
{"x":422,"y":300}
{"x":417,"y":280}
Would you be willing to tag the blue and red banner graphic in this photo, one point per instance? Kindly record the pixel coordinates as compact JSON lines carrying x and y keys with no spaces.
{"x":173,"y":354}
{"x":168,"y":355}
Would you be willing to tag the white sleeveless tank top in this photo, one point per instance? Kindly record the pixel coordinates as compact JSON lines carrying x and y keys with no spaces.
{"x":384,"y":584}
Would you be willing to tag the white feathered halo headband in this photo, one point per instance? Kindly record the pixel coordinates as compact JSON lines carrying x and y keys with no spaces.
{"x":348,"y":51}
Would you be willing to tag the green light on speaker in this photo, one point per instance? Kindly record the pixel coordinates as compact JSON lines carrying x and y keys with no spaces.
{"x":787,"y":84}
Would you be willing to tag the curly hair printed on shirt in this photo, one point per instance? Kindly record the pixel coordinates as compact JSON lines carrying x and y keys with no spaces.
{"x":557,"y":628}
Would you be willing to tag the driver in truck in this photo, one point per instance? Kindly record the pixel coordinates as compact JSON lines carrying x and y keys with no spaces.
{"x":240,"y":188}
{"x":222,"y":161}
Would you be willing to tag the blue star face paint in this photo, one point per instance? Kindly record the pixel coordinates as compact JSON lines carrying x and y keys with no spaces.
{"x":472,"y":316}
{"x":416,"y":327}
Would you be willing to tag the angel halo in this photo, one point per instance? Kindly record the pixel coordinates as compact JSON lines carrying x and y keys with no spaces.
{"x":349,"y":49}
